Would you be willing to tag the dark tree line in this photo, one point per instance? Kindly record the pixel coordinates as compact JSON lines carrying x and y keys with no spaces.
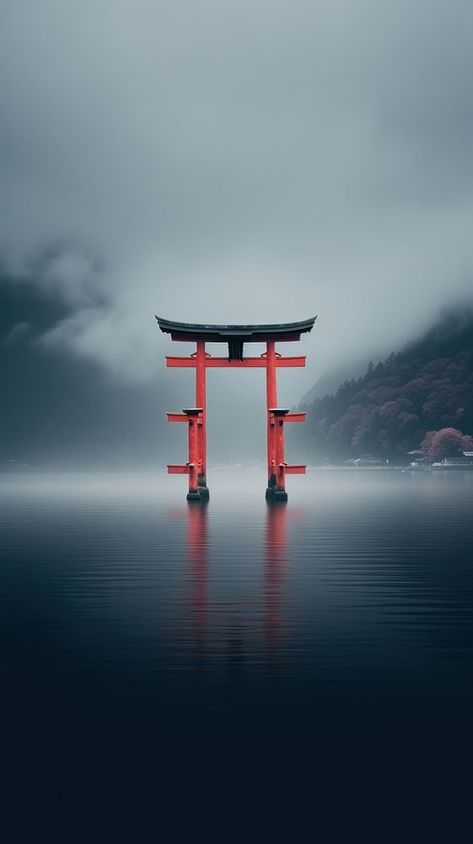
{"x":389,"y":410}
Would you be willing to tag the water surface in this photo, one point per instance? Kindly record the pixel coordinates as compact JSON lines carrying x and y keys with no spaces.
{"x":323,"y":648}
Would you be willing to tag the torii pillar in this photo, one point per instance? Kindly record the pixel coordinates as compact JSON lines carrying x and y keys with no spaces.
{"x":195,"y":418}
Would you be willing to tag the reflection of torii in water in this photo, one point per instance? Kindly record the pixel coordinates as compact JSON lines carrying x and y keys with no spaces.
{"x":275,"y":569}
{"x":275,"y":572}
{"x":197,"y":549}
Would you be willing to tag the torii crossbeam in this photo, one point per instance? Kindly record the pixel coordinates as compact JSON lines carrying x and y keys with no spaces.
{"x":195,"y":417}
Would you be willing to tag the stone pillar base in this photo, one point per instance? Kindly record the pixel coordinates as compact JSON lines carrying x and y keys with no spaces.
{"x":273,"y":495}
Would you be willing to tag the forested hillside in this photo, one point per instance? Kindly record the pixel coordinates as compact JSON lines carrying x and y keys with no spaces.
{"x":388,"y":411}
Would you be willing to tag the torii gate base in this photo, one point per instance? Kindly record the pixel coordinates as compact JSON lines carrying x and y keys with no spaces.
{"x":195,"y":417}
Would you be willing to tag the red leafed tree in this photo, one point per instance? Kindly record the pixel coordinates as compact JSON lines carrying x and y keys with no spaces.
{"x":448,"y":442}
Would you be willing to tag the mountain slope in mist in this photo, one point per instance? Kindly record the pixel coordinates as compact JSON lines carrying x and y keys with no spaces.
{"x":57,"y":409}
{"x":387,"y":411}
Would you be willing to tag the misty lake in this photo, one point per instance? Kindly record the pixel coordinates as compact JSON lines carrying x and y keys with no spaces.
{"x":239,"y":653}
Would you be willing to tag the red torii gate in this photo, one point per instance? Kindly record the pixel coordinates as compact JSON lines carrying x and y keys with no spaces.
{"x":195,"y":417}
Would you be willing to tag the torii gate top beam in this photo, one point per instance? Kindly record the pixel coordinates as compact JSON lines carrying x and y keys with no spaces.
{"x":190,"y":332}
{"x":235,"y":335}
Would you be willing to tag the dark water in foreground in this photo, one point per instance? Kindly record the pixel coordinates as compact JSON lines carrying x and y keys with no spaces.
{"x":309,"y":664}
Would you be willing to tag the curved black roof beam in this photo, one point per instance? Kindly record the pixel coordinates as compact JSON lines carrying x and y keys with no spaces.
{"x":190,"y":331}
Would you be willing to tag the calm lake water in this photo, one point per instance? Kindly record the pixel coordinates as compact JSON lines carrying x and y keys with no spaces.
{"x":311,"y":659}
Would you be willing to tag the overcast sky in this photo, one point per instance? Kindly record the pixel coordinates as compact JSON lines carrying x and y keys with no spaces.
{"x":237,"y":162}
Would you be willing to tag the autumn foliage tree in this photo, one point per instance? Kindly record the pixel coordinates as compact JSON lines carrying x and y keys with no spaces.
{"x":448,"y":442}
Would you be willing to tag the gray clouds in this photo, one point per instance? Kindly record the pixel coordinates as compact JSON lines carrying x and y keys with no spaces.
{"x":238,"y":162}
